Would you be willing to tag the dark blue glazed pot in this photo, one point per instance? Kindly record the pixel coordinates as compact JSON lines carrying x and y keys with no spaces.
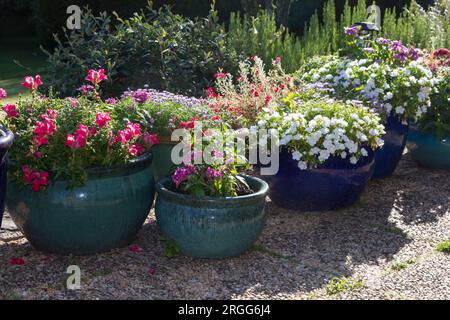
{"x":333,"y":185}
{"x":6,"y":141}
{"x":105,"y":213}
{"x":428,"y":150}
{"x":388,"y":157}
{"x":211,"y":227}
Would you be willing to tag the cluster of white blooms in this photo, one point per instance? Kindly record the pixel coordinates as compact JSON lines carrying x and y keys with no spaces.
{"x":402,"y":89}
{"x":316,"y":131}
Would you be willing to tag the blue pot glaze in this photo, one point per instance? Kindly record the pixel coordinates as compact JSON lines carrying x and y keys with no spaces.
{"x":388,"y":157}
{"x":6,"y":141}
{"x":335,"y":184}
{"x":428,"y":150}
{"x":212,"y":227}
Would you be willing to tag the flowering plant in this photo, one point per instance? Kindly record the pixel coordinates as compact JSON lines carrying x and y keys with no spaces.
{"x":315,"y":130}
{"x":239,"y":103}
{"x":61,"y":138}
{"x":402,"y":89}
{"x":437,"y":119}
{"x":210,"y":180}
{"x":164,"y":111}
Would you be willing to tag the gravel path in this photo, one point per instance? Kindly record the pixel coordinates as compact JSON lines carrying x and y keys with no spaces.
{"x":383,"y":247}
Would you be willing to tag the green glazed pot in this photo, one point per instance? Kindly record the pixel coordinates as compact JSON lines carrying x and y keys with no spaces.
{"x":212,"y":227}
{"x":106,"y":213}
{"x":162,"y":164}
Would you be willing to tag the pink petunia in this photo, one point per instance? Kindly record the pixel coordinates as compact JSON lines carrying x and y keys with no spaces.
{"x":31,"y":83}
{"x":102,"y":119}
{"x":3,"y":94}
{"x":95,"y":77}
{"x":10,"y":110}
{"x":150,"y":139}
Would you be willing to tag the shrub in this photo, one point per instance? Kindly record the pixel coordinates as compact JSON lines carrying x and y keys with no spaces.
{"x":154,"y":47}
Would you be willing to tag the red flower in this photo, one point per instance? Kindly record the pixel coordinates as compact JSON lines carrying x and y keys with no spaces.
{"x":277,"y":60}
{"x":136,"y":149}
{"x":102,"y":119}
{"x":43,"y":130}
{"x":210,"y":93}
{"x":254,"y":92}
{"x":132,"y":131}
{"x":52,"y":114}
{"x":78,"y":140}
{"x":34,"y":178}
{"x":217,"y":117}
{"x":135,"y":248}
{"x":187,"y":124}
{"x":31,"y":83}
{"x":95,"y":77}
{"x":10,"y":110}
{"x":150,"y":139}
{"x":220,"y":75}
{"x":268,"y":98}
{"x":16,"y":261}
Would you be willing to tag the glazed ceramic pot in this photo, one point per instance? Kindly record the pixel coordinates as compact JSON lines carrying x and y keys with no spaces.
{"x":162,"y":164}
{"x":429,"y":150}
{"x":212,"y":227}
{"x":388,"y":157}
{"x":332,"y":185}
{"x":106,"y":213}
{"x":6,"y":141}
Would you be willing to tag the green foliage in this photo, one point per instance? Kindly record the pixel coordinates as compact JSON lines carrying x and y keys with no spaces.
{"x":343,"y":284}
{"x":154,"y":47}
{"x":260,"y":35}
{"x":443,"y":246}
{"x":171,"y":248}
{"x":402,"y":265}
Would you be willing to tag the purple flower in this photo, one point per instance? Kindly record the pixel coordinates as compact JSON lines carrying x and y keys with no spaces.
{"x":369,"y":50}
{"x":181,"y":174}
{"x":414,"y":53}
{"x":352,"y":31}
{"x":84,"y":89}
{"x":111,"y":101}
{"x":383,"y":40}
{"x":159,"y":97}
{"x":3,"y":94}
{"x":212,"y":173}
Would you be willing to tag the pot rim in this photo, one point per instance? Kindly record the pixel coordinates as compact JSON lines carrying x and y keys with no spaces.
{"x":260,"y":194}
{"x":415,"y":128}
{"x":6,"y":137}
{"x":131,"y":165}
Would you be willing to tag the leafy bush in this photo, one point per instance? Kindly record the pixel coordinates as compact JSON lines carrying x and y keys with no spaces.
{"x":154,"y":47}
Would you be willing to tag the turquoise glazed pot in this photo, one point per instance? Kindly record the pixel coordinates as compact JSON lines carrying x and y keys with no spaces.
{"x":212,"y":227}
{"x":162,"y":164}
{"x":428,"y":150}
{"x":6,"y":141}
{"x":106,"y":213}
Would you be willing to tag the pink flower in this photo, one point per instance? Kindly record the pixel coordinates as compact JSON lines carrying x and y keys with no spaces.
{"x":150,"y":139}
{"x":3,"y":94}
{"x":135,"y":248}
{"x":268,"y":98}
{"x":212,"y":173}
{"x":220,"y":75}
{"x":182,"y":173}
{"x":52,"y":114}
{"x":210,"y":93}
{"x":10,"y":110}
{"x":85,"y":89}
{"x":16,"y":261}
{"x":277,"y":60}
{"x":38,"y":154}
{"x":102,"y":119}
{"x":73,"y":102}
{"x":132,"y":131}
{"x":93,"y":131}
{"x":78,"y":140}
{"x":43,"y":130}
{"x":136,"y":150}
{"x":34,"y":178}
{"x":95,"y":77}
{"x":187,"y":124}
{"x":31,"y":83}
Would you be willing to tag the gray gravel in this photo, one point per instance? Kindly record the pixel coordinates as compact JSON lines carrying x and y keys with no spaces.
{"x":398,"y":221}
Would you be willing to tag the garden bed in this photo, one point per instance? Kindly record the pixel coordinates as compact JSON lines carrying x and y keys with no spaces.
{"x":384,"y":247}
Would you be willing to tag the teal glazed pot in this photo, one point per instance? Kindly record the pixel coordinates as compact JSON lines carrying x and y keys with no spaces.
{"x":428,"y":150}
{"x":162,"y":164}
{"x":212,"y":227}
{"x":6,"y":141}
{"x":106,"y":213}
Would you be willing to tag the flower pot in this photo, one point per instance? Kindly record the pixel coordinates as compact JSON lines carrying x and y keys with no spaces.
{"x":162,"y":164}
{"x":212,"y":227}
{"x":428,"y":150}
{"x":388,"y":157}
{"x":106,"y":213}
{"x":6,"y":141}
{"x":332,"y":185}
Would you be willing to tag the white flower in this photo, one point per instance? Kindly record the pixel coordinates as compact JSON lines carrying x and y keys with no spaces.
{"x":388,"y":96}
{"x":261,"y":123}
{"x":353,"y":160}
{"x":400,"y":110}
{"x":302,"y":165}
{"x":364,"y":152}
{"x":374,"y":132}
{"x":296,"y":155}
{"x":343,"y":154}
